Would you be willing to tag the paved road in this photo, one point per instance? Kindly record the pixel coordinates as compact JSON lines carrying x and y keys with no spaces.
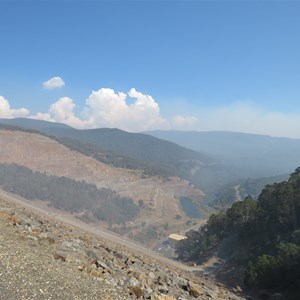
{"x":109,"y":236}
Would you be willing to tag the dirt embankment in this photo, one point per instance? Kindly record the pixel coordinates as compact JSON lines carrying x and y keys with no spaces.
{"x":46,"y":257}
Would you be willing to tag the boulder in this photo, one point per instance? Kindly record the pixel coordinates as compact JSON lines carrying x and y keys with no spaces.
{"x":195,"y":290}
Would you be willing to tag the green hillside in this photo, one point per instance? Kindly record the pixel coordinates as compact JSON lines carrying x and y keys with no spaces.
{"x":227,"y":195}
{"x":268,"y":238}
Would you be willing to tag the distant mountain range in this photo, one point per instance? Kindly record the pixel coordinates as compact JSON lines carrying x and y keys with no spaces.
{"x":257,"y":155}
{"x":142,"y":147}
{"x":208,"y":160}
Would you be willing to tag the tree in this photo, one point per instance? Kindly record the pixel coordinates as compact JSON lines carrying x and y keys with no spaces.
{"x":241,"y":213}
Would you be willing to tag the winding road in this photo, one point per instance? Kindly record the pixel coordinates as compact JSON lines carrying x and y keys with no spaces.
{"x":106,"y":235}
{"x":237,"y":193}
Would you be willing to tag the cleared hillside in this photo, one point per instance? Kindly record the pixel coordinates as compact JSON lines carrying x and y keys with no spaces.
{"x":138,"y":146}
{"x":158,"y":198}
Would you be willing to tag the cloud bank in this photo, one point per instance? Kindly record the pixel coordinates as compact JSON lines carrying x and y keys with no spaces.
{"x":184,"y":122}
{"x":53,"y":83}
{"x":106,"y":108}
{"x":249,"y":119}
{"x":134,"y":111}
{"x":7,"y":112}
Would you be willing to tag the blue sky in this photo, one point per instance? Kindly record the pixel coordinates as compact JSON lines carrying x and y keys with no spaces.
{"x":188,"y":65}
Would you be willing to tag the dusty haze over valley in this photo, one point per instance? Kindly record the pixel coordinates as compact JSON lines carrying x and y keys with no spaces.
{"x":138,"y":199}
{"x":149,"y":150}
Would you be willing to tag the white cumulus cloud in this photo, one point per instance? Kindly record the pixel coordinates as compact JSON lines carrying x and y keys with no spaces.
{"x":135,"y":111}
{"x":53,"y":83}
{"x":7,"y":112}
{"x":61,"y":111}
{"x":107,"y":108}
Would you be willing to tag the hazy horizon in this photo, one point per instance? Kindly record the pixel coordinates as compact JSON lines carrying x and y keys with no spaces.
{"x":138,"y":66}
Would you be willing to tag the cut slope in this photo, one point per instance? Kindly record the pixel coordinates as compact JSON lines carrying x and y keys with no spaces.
{"x":158,"y":198}
{"x":43,"y":154}
{"x":142,"y":147}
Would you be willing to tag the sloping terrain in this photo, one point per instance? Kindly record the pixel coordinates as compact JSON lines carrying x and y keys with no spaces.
{"x":236,"y":156}
{"x":138,"y":146}
{"x":157,"y":197}
{"x":42,"y":258}
{"x":33,"y":124}
{"x":43,"y":154}
{"x":257,"y":155}
{"x":240,"y":189}
{"x":258,"y":239}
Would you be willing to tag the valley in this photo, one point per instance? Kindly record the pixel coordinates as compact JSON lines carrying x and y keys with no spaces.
{"x":158,"y":198}
{"x":49,"y":256}
{"x":133,"y":202}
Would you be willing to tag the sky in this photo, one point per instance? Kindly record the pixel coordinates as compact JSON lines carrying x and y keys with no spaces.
{"x":145,"y":65}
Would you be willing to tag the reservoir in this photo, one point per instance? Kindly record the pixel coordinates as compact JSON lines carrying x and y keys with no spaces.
{"x":190,"y":208}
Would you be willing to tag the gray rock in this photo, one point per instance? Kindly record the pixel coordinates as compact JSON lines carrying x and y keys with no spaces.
{"x":147,"y":292}
{"x":101,"y":264}
{"x":111,"y":281}
{"x":209,"y":293}
{"x":182,"y":283}
{"x":163,"y":289}
{"x":71,"y":246}
{"x":32,"y":238}
{"x":91,"y":254}
{"x":151,"y":275}
{"x":120,"y":281}
{"x":132,"y":281}
{"x":28,"y":227}
{"x":50,"y":236}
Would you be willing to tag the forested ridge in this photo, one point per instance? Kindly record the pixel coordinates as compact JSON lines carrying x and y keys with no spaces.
{"x":115,"y":160}
{"x":105,"y":156}
{"x":68,"y":194}
{"x":268,"y":235}
{"x":225,"y":196}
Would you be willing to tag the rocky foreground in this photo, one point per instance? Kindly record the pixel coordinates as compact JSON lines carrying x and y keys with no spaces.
{"x":43,"y":259}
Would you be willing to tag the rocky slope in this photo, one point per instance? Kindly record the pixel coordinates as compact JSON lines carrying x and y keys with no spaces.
{"x":43,"y":259}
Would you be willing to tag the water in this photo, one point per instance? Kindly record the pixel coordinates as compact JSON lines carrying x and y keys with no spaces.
{"x":190,"y":208}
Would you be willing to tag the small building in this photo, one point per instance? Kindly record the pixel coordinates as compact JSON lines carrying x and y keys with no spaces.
{"x":173,"y":238}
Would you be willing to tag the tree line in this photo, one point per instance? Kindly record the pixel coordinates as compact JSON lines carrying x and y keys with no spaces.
{"x":268,"y":233}
{"x":105,"y":156}
{"x":68,"y":194}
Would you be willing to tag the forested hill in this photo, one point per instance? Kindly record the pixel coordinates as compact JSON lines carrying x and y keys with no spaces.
{"x":33,"y":124}
{"x":97,"y":152}
{"x":268,"y":238}
{"x":243,"y":155}
{"x":138,"y":147}
{"x":68,"y":194}
{"x":230,"y":193}
{"x":257,"y":155}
